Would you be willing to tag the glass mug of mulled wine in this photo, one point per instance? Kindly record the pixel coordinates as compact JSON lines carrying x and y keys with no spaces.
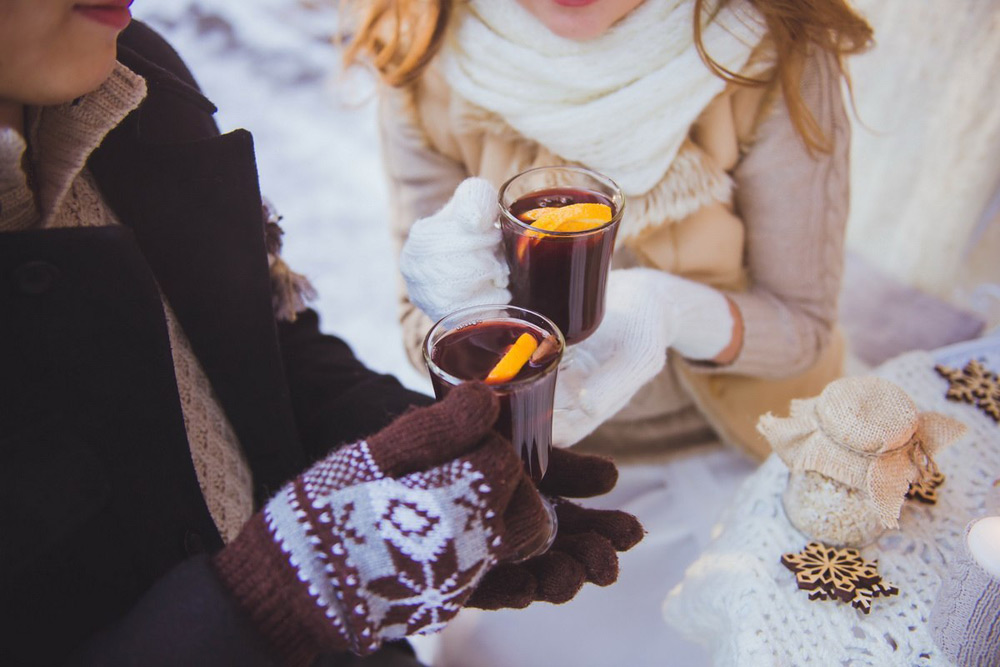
{"x":559,"y":226}
{"x":516,"y":352}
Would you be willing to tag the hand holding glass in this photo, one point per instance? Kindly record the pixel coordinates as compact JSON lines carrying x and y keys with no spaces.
{"x":560,"y":270}
{"x":476,"y":344}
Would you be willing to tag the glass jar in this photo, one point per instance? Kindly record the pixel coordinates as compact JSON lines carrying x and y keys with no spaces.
{"x":830,"y":512}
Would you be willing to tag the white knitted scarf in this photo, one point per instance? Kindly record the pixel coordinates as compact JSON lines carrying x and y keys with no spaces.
{"x":621,"y":103}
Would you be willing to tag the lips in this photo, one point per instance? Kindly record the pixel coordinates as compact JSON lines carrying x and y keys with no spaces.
{"x":112,"y":13}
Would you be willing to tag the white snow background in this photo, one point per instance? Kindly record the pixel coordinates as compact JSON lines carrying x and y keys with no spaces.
{"x":271,"y":67}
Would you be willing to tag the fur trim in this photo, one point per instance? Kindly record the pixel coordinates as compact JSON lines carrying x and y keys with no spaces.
{"x":290,"y":291}
{"x":693,"y":181}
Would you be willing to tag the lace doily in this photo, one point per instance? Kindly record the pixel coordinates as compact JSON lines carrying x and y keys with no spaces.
{"x":742,"y":603}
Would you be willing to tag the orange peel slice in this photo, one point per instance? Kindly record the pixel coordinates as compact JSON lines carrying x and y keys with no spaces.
{"x":532,"y":215}
{"x":579,"y":225}
{"x":572,"y":218}
{"x":514,"y":360}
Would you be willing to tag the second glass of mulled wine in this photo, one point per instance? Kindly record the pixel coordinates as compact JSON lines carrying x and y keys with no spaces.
{"x":516,"y":352}
{"x":559,"y":226}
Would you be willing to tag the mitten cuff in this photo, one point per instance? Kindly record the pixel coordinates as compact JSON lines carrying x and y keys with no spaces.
{"x":265,"y":584}
{"x":704,"y":320}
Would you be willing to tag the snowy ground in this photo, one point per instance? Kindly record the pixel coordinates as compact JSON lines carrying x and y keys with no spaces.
{"x":271,"y":67}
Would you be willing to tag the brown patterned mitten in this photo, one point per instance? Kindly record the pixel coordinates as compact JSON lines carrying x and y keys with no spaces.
{"x":586,"y":545}
{"x":388,"y":536}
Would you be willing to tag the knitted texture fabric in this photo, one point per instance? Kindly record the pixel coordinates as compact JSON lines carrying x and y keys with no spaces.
{"x":965,"y":620}
{"x":744,"y":605}
{"x":918,"y":158}
{"x":222,"y":468}
{"x":453,"y":258}
{"x":642,"y":78}
{"x":386,"y":537}
{"x":17,"y":203}
{"x":864,"y":432}
{"x":62,"y":138}
{"x":647,"y":311}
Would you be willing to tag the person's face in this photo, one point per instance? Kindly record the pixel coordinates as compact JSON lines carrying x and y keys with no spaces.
{"x":53,"y":51}
{"x":579,"y":19}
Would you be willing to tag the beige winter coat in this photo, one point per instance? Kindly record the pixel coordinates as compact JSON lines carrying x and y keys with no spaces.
{"x":745,"y":207}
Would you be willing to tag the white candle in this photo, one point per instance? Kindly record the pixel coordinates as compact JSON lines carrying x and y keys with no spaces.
{"x":984,"y":544}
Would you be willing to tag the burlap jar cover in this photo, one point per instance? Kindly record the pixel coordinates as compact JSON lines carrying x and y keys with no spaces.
{"x":864,"y":433}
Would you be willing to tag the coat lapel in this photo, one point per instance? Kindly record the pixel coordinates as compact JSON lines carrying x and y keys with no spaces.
{"x":195,"y":208}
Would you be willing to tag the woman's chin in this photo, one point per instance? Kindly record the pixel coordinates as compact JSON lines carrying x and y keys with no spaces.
{"x":74,"y":84}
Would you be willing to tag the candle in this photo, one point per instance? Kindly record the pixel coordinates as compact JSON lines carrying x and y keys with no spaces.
{"x":984,"y":544}
{"x":964,"y":619}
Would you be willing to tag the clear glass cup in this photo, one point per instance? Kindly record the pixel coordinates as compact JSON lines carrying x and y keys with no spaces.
{"x":467,"y":344}
{"x":562,"y":275}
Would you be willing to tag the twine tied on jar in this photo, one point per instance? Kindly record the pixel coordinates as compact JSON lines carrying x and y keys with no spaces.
{"x":866,"y":433}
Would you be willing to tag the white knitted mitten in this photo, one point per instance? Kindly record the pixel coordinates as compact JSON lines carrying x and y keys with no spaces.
{"x":454,"y":258}
{"x":646,"y":312}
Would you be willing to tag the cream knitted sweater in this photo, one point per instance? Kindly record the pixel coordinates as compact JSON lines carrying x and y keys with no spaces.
{"x":61,"y":139}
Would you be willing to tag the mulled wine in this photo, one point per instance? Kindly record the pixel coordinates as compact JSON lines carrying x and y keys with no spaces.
{"x":478,"y":345}
{"x":560,"y":269}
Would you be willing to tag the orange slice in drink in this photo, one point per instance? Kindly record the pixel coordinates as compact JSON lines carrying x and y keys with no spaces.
{"x":580,"y":225}
{"x":522,"y":246}
{"x":572,"y":218}
{"x":514,"y":360}
{"x":532,"y":215}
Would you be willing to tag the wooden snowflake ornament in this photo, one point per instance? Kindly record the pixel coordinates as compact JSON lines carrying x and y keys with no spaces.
{"x":990,"y":404}
{"x":863,"y":596}
{"x":925,"y":489}
{"x":973,"y":384}
{"x":843,"y":574}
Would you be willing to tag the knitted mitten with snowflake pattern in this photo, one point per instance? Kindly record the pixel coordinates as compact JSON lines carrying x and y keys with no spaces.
{"x":388,"y":536}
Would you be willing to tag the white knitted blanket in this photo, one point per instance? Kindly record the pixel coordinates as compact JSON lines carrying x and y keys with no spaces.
{"x":621,"y":103}
{"x":741,"y":602}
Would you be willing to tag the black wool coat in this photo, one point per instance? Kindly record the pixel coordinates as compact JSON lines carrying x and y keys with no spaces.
{"x":105,"y":533}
